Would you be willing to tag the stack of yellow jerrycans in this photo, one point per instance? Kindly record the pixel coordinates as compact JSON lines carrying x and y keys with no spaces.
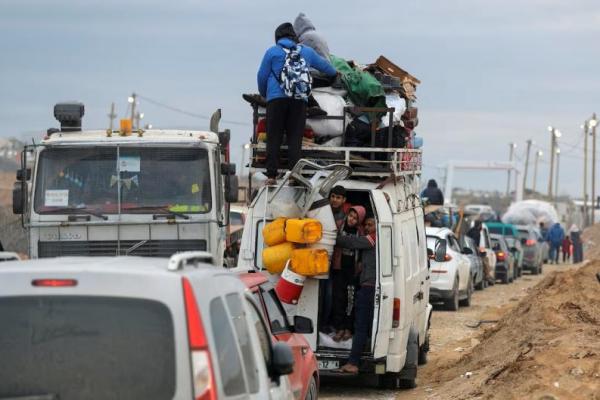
{"x":290,"y":254}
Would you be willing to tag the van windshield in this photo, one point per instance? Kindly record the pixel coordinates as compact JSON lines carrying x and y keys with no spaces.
{"x":79,"y":347}
{"x":72,"y":180}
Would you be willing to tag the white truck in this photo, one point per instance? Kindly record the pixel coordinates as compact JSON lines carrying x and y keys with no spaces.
{"x":140,"y":192}
{"x":389,"y":190}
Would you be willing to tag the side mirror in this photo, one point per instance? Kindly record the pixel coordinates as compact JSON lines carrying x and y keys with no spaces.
{"x":231,"y":188}
{"x":24,"y":174}
{"x":227,"y":169}
{"x":467,"y":251}
{"x":303,"y":325}
{"x":282,"y":360}
{"x":18,"y":198}
{"x":440,"y":250}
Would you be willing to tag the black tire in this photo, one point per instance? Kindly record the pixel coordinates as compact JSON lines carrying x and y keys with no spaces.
{"x":423,"y":350}
{"x":541,"y":266}
{"x":505,"y":279}
{"x":313,"y":392}
{"x":535,"y":270}
{"x":480,"y":285}
{"x":389,"y":380}
{"x":452,"y":304}
{"x":467,"y":302}
{"x":407,"y":383}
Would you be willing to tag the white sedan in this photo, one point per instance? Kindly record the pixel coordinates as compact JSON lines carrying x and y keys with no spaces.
{"x":451,"y":280}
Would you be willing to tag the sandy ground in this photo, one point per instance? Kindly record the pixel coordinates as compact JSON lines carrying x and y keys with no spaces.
{"x":546,"y":343}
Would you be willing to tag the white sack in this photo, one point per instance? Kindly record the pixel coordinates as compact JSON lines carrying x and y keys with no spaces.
{"x":530,"y":212}
{"x":334,"y":105}
{"x":399,"y":104}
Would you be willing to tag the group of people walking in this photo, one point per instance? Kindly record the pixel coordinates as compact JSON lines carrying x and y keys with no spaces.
{"x":570,"y":245}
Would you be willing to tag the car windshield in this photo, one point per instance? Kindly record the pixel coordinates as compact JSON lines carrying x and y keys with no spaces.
{"x":86,"y":347}
{"x":72,"y":180}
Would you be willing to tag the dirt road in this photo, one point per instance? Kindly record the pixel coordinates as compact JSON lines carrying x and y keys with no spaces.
{"x":451,"y":340}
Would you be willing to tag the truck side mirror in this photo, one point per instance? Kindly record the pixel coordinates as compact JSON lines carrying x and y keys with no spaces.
{"x":24,"y":174}
{"x":227,"y":169}
{"x":18,"y":199}
{"x":231,"y":188}
{"x":440,"y":250}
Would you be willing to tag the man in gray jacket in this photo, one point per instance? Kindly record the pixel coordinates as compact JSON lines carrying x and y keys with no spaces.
{"x":308,"y":36}
{"x":364,"y":302}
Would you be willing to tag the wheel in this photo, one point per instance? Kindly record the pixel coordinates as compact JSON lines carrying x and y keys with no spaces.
{"x":452,"y":303}
{"x":536,"y":270}
{"x":423,"y":350}
{"x":541,"y":266}
{"x":389,"y":380}
{"x":407,"y":383}
{"x":480,"y":285}
{"x":505,"y":279}
{"x":467,"y":302}
{"x":312,"y":393}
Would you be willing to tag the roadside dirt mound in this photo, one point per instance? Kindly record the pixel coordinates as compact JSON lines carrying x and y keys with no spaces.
{"x":548,"y":345}
{"x":591,"y":242}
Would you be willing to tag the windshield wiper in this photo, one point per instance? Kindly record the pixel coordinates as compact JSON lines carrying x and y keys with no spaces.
{"x":76,"y":210}
{"x":49,"y":396}
{"x":162,"y":210}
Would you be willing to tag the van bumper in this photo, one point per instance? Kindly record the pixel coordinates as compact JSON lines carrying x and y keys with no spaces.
{"x":436,"y":295}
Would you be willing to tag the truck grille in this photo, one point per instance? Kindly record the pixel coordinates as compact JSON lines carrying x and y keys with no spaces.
{"x":151,"y":248}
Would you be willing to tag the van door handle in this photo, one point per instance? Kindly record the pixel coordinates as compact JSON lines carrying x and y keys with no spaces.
{"x":385,"y":296}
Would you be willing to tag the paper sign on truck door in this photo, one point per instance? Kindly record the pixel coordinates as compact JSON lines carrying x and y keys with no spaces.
{"x":56,"y":198}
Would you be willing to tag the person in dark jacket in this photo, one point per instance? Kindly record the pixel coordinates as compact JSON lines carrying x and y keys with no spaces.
{"x":577,"y":244}
{"x":285,"y":115}
{"x":364,"y":302}
{"x":433,"y":194}
{"x":556,"y":234}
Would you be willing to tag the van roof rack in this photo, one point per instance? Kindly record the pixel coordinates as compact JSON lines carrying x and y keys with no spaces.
{"x":178,"y":261}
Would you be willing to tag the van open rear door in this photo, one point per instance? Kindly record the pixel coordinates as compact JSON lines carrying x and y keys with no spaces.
{"x":384,"y":295}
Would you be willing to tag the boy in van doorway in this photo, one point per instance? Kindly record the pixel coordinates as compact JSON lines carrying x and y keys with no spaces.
{"x":345,"y":261}
{"x":337,"y":200}
{"x":364,"y":301}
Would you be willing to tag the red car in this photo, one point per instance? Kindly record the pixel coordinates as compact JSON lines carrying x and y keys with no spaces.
{"x":305,"y":377}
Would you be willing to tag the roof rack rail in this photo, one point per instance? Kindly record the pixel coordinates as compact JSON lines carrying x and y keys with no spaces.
{"x":178,"y":261}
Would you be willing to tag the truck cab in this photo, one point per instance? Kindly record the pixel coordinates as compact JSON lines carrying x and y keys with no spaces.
{"x":106,"y":193}
{"x":399,"y":336}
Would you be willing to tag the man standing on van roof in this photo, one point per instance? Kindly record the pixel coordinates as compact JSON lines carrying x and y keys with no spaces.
{"x":284,"y":79}
{"x":433,"y":194}
{"x":364,"y":303}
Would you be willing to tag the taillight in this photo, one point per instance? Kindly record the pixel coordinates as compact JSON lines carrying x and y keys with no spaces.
{"x":530,"y":242}
{"x":54,"y":282}
{"x":202,"y":373}
{"x":396,"y":314}
{"x":500,"y":256}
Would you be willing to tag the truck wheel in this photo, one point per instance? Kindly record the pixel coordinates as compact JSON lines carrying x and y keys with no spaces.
{"x":467,"y":302}
{"x":312,"y":393}
{"x":452,"y":303}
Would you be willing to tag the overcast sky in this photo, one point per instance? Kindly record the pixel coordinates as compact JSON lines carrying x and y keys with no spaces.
{"x":492,"y":71}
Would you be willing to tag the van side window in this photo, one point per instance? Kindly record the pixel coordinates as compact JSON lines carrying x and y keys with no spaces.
{"x":275,"y":312}
{"x":263,"y":336}
{"x":241,"y":328}
{"x":230,"y":366}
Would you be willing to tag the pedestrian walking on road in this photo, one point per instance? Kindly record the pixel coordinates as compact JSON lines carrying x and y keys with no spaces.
{"x":577,"y":244}
{"x":433,"y":194}
{"x":556,"y":234}
{"x":284,"y":79}
{"x":475,"y":234}
{"x":566,"y":248}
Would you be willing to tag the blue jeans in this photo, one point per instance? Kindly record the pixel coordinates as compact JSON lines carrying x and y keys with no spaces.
{"x":363,"y":319}
{"x":554,"y":252}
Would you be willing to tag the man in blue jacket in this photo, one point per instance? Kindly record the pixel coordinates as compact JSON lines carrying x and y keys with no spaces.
{"x":285,"y":114}
{"x":556,"y":234}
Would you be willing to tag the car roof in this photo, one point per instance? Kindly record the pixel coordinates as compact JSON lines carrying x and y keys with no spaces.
{"x":252,"y":279}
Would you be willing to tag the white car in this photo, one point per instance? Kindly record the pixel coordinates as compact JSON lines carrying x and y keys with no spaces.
{"x":451,"y":280}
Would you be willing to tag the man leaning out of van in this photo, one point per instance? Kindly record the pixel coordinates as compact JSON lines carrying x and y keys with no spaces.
{"x":364,"y":301}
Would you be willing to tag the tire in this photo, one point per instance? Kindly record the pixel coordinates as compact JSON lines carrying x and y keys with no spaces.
{"x":467,"y":302}
{"x":407,"y":383}
{"x":453,"y":303}
{"x":505,"y":279}
{"x":536,"y":270}
{"x":389,"y":380}
{"x":423,"y":350}
{"x":540,"y":268}
{"x":480,"y":285}
{"x":313,"y":392}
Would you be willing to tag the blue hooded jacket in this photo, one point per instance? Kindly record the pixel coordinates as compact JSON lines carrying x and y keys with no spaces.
{"x":556,"y":234}
{"x":272,"y":64}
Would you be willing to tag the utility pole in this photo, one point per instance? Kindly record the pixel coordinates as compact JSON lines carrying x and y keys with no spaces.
{"x":557,"y":168}
{"x":538,"y":154}
{"x":526,"y":166}
{"x":132,"y":100}
{"x":510,"y":158}
{"x":554,"y":133}
{"x":593,"y":123}
{"x":112,"y":116}
{"x":585,"y":127}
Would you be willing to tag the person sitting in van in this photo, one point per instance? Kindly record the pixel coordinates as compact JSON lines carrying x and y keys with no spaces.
{"x":343,"y":274}
{"x":364,"y":301}
{"x":337,"y":200}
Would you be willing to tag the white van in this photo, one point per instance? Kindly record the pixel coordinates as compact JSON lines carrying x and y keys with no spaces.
{"x":399,"y":338}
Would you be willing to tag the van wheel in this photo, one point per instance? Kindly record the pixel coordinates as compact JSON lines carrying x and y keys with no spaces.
{"x":423,"y":350}
{"x":407,"y":383}
{"x":452,"y":303}
{"x":312,"y":393}
{"x":467,"y":302}
{"x":389,"y":380}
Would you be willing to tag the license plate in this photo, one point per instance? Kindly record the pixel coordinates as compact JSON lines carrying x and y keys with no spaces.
{"x":329,"y":364}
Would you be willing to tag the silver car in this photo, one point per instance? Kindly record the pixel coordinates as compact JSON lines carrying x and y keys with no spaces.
{"x":134,"y":328}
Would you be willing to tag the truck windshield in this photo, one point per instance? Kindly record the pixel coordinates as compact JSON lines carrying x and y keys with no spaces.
{"x":147,"y":179}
